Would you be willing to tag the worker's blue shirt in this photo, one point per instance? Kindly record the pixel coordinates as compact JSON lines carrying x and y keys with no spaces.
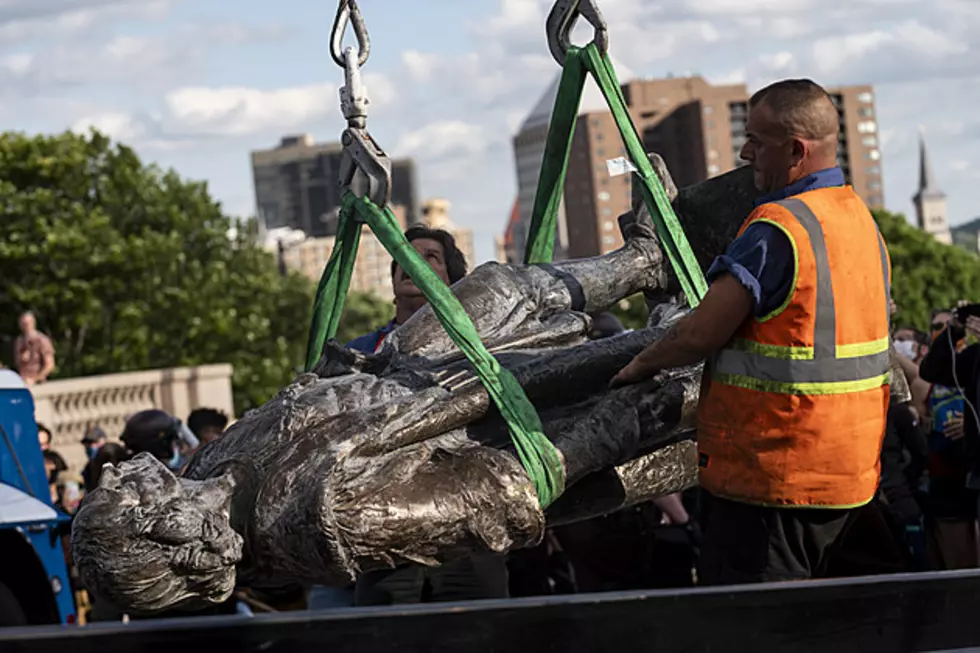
{"x":371,"y":342}
{"x":762,"y":257}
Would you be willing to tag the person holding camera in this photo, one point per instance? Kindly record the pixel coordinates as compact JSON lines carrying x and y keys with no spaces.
{"x":953,"y":368}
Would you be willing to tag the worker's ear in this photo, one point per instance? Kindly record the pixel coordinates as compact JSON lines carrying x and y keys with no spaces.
{"x":799,"y":150}
{"x":663,"y":173}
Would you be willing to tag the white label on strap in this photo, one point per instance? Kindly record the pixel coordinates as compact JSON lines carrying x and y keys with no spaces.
{"x":619,"y":166}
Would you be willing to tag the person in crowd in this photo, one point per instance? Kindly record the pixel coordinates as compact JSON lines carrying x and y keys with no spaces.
{"x":44,"y":436}
{"x":904,"y":460}
{"x":795,"y":329}
{"x":109,"y":453}
{"x":438,"y":248}
{"x":911,"y":346}
{"x":953,"y":369}
{"x":161,"y":435}
{"x":93,"y":440}
{"x":207,"y":424}
{"x":33,"y":351}
{"x":69,"y":487}
{"x":54,"y":465}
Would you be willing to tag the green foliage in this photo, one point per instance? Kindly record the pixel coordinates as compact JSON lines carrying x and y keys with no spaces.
{"x":632,"y":312}
{"x":925,"y":273}
{"x":129,"y":267}
{"x":363,"y":313}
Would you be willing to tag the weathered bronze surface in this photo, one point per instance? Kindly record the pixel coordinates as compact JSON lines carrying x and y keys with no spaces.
{"x":371,"y":461}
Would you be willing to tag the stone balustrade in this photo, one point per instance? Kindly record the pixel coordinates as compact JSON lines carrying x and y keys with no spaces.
{"x":69,"y":406}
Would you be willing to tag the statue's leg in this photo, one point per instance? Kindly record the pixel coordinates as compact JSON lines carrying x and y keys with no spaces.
{"x":508,"y":301}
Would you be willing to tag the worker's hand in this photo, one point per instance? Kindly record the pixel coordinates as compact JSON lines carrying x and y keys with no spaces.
{"x":973,"y":326}
{"x":638,"y":370}
{"x":954,"y":427}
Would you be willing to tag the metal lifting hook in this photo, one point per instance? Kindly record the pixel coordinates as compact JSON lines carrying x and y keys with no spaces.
{"x":348,"y":12}
{"x":562,"y":19}
{"x":364,"y":167}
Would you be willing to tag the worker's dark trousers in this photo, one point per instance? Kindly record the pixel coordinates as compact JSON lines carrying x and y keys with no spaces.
{"x":746,"y":543}
{"x":478,"y":576}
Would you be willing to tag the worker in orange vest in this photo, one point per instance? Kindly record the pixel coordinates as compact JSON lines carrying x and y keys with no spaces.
{"x":794,"y":331}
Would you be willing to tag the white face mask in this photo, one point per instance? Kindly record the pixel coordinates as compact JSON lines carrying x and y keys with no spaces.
{"x":906,"y":348}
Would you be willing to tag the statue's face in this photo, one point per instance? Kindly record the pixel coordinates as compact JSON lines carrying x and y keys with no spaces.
{"x":150,"y":541}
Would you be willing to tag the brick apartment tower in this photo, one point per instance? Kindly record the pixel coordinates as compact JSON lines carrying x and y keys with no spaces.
{"x":698,"y":129}
{"x":296,"y":185}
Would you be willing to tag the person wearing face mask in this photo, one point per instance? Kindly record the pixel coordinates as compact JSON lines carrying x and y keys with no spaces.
{"x":910,"y":348}
{"x":953,"y":441}
{"x":93,"y":441}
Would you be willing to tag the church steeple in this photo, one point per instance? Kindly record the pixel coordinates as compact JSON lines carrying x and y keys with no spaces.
{"x":928,"y":187}
{"x":930,"y":200}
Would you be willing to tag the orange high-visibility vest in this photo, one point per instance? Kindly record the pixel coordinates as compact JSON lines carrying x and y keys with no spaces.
{"x":794,"y":413}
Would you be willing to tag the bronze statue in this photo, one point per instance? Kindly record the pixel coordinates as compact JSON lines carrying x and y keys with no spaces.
{"x":375,"y":460}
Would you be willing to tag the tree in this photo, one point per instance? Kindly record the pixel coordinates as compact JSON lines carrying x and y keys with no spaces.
{"x":632,"y":312}
{"x":926,"y":274}
{"x":129,"y":267}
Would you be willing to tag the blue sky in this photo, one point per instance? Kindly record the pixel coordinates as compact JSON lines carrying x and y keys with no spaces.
{"x":198,"y":84}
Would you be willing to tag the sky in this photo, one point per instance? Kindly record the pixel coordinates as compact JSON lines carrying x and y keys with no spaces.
{"x":198,"y":84}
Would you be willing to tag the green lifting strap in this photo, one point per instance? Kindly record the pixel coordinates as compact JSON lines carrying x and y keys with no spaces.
{"x":541,"y":235}
{"x":537,"y":454}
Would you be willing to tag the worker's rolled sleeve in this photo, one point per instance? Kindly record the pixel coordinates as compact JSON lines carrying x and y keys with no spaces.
{"x":761,"y":259}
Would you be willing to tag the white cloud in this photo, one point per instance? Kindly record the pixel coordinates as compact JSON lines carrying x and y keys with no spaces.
{"x":146,"y":61}
{"x":119,"y":126}
{"x":21,"y":20}
{"x":239,"y":110}
{"x":456,"y":112}
{"x":443,"y":139}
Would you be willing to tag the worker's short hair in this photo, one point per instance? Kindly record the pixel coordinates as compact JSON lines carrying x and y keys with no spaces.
{"x":801,"y":106}
{"x":455,"y":259}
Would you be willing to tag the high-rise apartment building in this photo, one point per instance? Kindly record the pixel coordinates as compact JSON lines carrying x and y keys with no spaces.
{"x":296,"y":185}
{"x":529,"y":144}
{"x":698,"y":129}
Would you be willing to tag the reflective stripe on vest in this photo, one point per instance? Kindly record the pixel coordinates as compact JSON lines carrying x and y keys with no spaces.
{"x":823,"y":369}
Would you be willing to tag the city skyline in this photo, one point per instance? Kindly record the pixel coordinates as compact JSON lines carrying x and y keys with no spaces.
{"x":196,"y":86}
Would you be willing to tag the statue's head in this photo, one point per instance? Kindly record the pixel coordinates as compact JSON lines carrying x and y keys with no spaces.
{"x":147,"y":541}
